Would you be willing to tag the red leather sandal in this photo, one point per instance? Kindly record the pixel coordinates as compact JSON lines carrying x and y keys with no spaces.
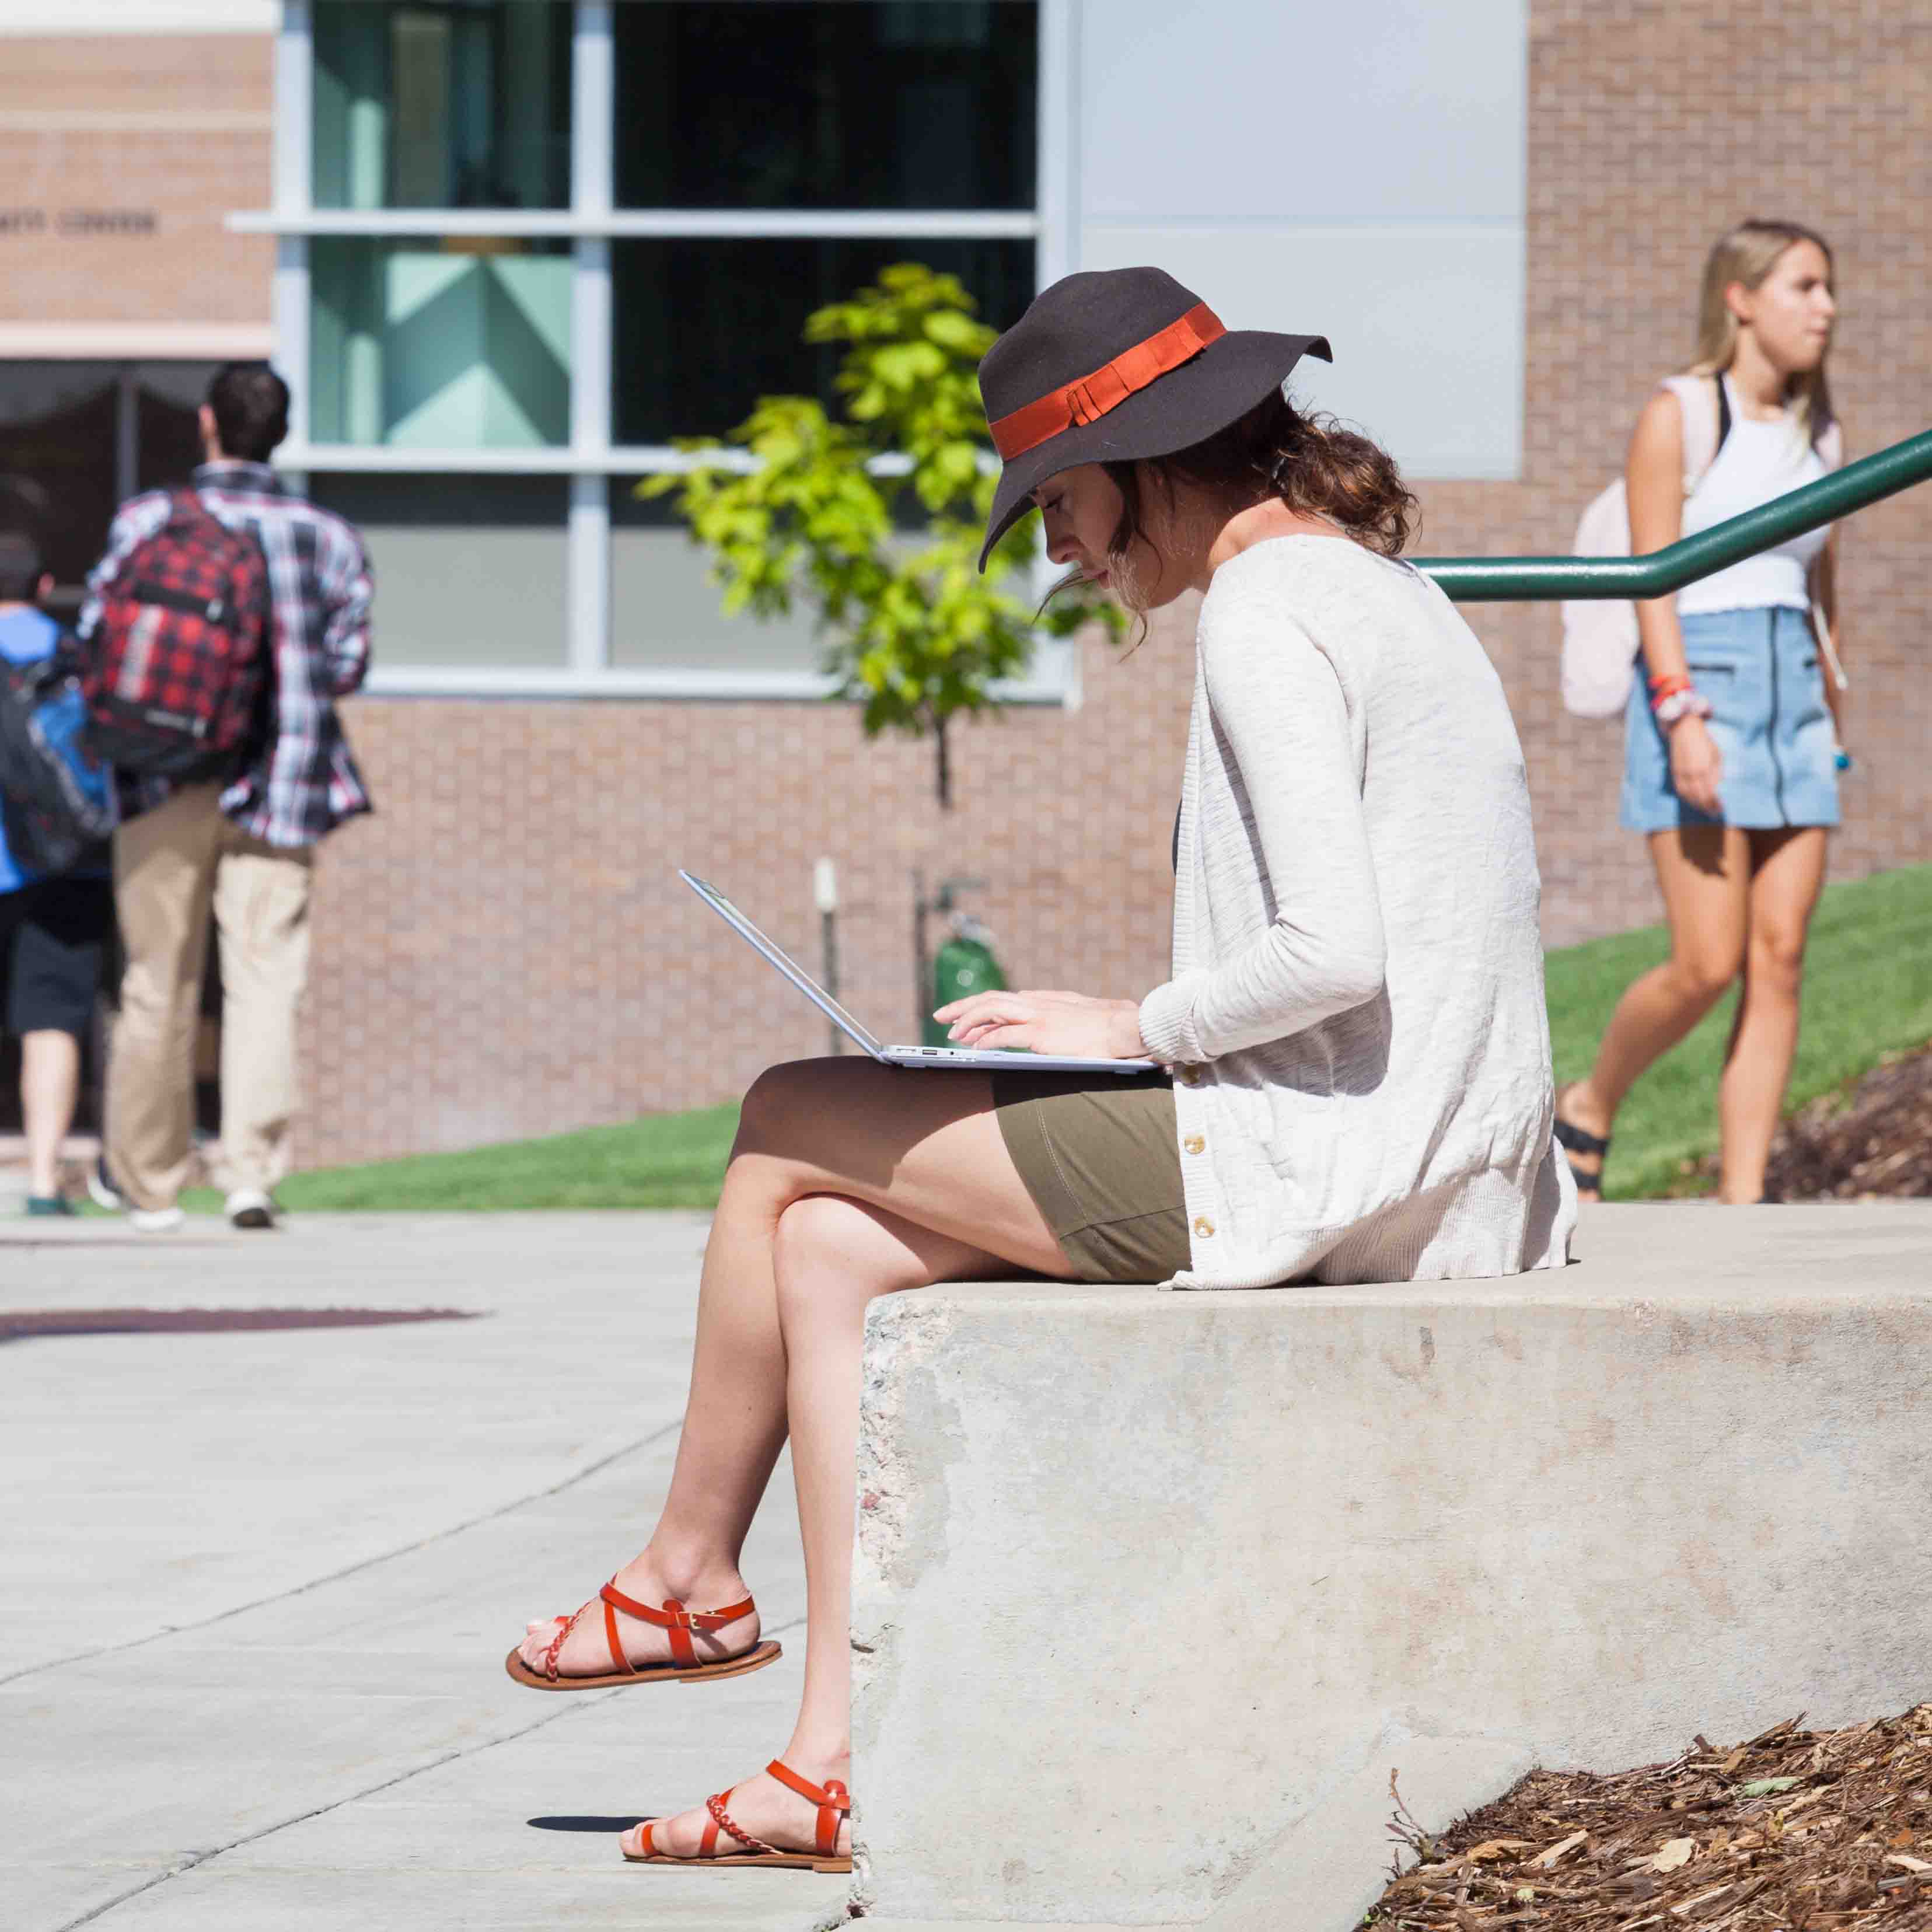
{"x":834,"y":1802}
{"x":684,"y":1666}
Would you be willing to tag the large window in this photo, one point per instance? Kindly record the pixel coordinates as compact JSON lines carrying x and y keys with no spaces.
{"x":526,"y":243}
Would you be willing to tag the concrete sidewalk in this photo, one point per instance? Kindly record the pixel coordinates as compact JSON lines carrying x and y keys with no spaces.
{"x":259,"y":1583}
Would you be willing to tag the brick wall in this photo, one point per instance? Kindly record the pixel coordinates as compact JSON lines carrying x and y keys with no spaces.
{"x":504,"y":951}
{"x":175,"y":126}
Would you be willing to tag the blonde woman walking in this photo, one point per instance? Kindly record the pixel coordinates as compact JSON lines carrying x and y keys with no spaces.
{"x":1731,"y":739}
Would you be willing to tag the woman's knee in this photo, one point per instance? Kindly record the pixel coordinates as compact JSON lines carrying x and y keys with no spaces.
{"x":828,"y":1250}
{"x":1776,"y":960}
{"x":1703,"y":972}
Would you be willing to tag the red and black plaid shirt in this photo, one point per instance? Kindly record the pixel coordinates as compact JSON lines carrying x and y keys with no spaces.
{"x":305,"y":783}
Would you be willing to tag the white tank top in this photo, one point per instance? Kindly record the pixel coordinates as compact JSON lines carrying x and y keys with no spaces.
{"x":1759,"y":461}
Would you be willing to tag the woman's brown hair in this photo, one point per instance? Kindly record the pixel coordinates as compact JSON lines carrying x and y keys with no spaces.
{"x":1310,"y":462}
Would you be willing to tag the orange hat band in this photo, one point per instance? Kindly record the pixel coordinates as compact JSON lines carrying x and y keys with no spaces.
{"x":1110,"y":385}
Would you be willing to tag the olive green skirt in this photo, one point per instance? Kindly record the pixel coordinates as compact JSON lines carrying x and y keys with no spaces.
{"x":1097,"y":1152}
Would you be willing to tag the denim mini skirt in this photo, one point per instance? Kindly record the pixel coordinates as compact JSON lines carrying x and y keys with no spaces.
{"x":1759,"y":669}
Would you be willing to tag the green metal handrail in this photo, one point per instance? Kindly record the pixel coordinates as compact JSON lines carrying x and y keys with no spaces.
{"x":1520,"y":579}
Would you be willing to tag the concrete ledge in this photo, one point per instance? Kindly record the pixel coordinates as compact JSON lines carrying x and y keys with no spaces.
{"x":1152,"y":1590}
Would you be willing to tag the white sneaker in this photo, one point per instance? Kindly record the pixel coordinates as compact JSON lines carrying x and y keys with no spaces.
{"x":249,"y":1208}
{"x":155,"y":1220}
{"x":101,"y":1190}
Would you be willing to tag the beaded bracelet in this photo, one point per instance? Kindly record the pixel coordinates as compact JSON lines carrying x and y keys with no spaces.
{"x":1685,"y":702}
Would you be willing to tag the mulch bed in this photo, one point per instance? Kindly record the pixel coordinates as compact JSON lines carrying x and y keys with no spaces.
{"x":1871,"y":1142}
{"x":1795,"y":1831}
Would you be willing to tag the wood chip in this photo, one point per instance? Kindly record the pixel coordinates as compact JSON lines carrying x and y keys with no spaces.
{"x":1561,"y":1849}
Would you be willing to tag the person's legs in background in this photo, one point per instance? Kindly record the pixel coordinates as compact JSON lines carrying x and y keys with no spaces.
{"x":164,"y":862}
{"x":59,"y":943}
{"x":261,"y":894}
{"x":1705,"y":871}
{"x":49,"y":1088}
{"x":1787,"y":873}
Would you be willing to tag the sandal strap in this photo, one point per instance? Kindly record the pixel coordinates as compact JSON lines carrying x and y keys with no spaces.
{"x":565,"y":1626}
{"x":673,"y":1617}
{"x":715,"y":1805}
{"x":833,"y":1802}
{"x":1578,"y":1141}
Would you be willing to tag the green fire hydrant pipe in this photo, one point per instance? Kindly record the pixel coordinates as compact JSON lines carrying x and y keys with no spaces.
{"x":1517,"y":579}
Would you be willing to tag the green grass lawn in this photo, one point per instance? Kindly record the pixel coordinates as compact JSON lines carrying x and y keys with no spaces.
{"x":664,"y":1160}
{"x":1868,"y":992}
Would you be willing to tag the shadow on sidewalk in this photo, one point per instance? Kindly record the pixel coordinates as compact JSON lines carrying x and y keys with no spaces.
{"x":22,"y":1324}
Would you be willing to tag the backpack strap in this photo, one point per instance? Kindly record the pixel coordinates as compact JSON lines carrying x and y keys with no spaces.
{"x":1704,"y":404}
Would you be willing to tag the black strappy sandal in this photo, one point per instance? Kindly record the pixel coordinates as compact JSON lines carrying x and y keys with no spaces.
{"x":1573,"y":1140}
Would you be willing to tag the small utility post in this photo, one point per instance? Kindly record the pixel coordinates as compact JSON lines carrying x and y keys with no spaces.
{"x":825,"y":891}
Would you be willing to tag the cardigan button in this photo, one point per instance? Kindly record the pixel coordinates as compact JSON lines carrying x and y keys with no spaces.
{"x":1203,"y":1226}
{"x":1196,"y":1144}
{"x":1189,"y":1076}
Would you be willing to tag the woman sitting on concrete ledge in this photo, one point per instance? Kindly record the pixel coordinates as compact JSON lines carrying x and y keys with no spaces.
{"x":1360,"y":1085}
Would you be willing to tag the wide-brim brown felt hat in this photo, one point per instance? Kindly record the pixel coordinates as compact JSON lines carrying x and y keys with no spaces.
{"x":1113,"y":365}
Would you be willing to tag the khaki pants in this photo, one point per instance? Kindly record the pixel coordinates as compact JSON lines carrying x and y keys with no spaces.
{"x":173,"y":866}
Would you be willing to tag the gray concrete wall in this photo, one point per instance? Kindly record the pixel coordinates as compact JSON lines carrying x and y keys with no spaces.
{"x":1153,"y":1590}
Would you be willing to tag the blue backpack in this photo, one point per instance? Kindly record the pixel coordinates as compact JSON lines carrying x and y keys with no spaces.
{"x":58,"y":800}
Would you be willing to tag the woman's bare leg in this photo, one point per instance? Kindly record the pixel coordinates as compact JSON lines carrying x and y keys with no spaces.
{"x":1787,"y":874}
{"x":1705,"y":874}
{"x":832,"y":1256}
{"x":925,"y":1147}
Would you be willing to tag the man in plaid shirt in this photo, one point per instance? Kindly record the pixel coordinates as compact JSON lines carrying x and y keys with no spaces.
{"x":244,"y":850}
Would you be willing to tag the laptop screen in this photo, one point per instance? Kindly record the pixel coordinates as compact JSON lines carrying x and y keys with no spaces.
{"x":784,"y":961}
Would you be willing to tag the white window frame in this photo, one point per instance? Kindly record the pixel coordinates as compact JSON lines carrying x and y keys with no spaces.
{"x":590,"y":459}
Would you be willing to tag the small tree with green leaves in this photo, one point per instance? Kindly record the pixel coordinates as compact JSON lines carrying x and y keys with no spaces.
{"x":874,"y":524}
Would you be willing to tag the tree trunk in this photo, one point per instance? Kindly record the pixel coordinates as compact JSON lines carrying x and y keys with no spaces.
{"x":942,"y":757}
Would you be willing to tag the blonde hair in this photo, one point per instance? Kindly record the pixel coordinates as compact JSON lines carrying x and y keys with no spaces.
{"x":1748,"y":254}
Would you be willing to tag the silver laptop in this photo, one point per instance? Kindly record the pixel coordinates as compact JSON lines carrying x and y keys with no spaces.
{"x":982,"y":1058}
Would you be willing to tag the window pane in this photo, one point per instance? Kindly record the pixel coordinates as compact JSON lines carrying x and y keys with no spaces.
{"x":841,"y":103}
{"x":469,"y":570}
{"x":664,"y":612}
{"x":442,"y":103}
{"x":462,"y":344}
{"x":58,"y":442}
{"x":703,"y":329}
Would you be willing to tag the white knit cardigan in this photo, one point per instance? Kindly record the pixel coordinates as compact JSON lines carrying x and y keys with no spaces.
{"x":1356,"y":1019}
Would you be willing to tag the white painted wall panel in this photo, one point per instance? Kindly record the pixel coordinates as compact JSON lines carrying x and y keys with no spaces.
{"x":1358,"y":171}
